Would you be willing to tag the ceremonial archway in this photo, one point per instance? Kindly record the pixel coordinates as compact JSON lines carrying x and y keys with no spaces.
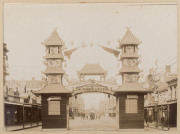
{"x":129,"y":96}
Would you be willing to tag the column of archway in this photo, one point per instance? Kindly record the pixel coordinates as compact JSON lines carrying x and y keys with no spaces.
{"x":67,"y":113}
{"x":117,"y":112}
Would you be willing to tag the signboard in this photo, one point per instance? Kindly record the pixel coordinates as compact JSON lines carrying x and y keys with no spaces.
{"x":132,"y":104}
{"x":92,"y":88}
{"x":53,"y":107}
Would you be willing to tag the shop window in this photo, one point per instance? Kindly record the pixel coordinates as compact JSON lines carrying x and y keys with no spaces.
{"x":131,"y":104}
{"x":54,"y":105}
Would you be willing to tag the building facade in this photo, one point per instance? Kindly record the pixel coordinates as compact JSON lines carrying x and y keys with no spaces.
{"x":161,"y":105}
{"x":25,"y":85}
{"x":22,"y":107}
{"x":5,"y":63}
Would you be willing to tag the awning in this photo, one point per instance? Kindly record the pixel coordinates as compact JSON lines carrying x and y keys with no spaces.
{"x":12,"y":103}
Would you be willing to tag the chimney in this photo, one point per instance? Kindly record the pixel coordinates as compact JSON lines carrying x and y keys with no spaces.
{"x":168,"y":69}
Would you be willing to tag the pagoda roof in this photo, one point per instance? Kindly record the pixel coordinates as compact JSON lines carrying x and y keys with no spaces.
{"x":129,"y":39}
{"x":52,"y":89}
{"x":129,"y":55}
{"x":54,"y":70}
{"x":54,"y":56}
{"x":92,"y":69}
{"x":129,"y":69}
{"x":132,"y":87}
{"x":53,"y":40}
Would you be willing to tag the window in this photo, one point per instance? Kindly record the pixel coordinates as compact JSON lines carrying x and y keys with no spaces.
{"x":131,"y":104}
{"x":58,"y":50}
{"x":54,"y":105}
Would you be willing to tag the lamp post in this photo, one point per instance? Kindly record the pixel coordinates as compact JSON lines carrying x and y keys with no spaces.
{"x":156,"y":100}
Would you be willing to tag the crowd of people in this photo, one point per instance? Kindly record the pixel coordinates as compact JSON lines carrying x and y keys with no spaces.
{"x":89,"y":116}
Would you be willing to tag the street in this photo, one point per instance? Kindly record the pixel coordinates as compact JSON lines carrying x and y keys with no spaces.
{"x":103,"y":124}
{"x":97,"y":124}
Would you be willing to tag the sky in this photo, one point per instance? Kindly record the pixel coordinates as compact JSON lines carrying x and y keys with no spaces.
{"x":27,"y":26}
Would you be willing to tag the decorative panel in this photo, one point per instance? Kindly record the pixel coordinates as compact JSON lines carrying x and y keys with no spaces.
{"x":131,"y":105}
{"x":54,"y":107}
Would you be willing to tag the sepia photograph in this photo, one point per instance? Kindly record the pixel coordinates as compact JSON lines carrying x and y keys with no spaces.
{"x":90,"y":67}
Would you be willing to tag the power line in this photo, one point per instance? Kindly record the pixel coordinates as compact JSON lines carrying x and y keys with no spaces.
{"x":165,"y":69}
{"x":169,"y":62}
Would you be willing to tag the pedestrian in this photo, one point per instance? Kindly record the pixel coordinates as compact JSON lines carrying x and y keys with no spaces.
{"x":162,"y":122}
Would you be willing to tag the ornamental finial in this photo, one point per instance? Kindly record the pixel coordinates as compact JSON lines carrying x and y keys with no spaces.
{"x":55,"y":28}
{"x":128,"y":28}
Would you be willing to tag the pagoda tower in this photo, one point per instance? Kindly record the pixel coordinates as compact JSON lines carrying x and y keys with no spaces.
{"x":130,"y":95}
{"x":55,"y":97}
{"x":54,"y":58}
{"x":129,"y":58}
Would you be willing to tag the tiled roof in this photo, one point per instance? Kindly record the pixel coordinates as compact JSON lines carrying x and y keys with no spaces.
{"x":171,"y":78}
{"x":53,"y":88}
{"x":129,"y":38}
{"x":53,"y":39}
{"x":54,"y":70}
{"x":129,"y":55}
{"x":162,"y":86}
{"x":132,"y":69}
{"x":54,"y":56}
{"x":132,"y":87}
{"x":92,"y":69}
{"x":111,"y":50}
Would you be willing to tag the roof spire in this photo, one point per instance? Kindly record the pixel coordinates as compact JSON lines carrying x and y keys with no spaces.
{"x":129,"y":38}
{"x":55,"y":29}
{"x":128,"y":28}
{"x":54,"y":39}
